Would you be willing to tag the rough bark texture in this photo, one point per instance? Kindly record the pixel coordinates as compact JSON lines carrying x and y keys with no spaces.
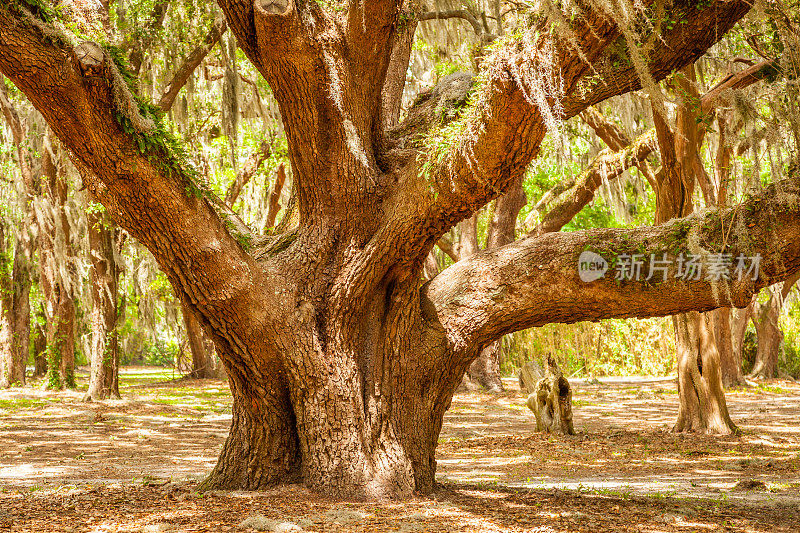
{"x":104,"y":278}
{"x":702,"y":401}
{"x":730,"y":363}
{"x":340,"y":361}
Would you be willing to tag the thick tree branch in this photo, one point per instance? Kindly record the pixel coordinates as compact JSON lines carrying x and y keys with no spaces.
{"x":371,"y":31}
{"x":189,"y":64}
{"x":493,"y":293}
{"x":501,"y":135}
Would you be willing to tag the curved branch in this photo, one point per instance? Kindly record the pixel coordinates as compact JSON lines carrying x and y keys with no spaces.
{"x":606,"y":166}
{"x":247,"y":172}
{"x":462,"y":14}
{"x":536,"y":281}
{"x":189,"y":64}
{"x":499,"y":137}
{"x":145,"y":189}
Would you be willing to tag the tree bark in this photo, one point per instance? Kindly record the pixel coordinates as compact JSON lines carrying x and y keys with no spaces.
{"x":702,"y":406}
{"x":104,"y":277}
{"x":275,"y":195}
{"x":730,"y":363}
{"x":485,"y":370}
{"x":39,"y":352}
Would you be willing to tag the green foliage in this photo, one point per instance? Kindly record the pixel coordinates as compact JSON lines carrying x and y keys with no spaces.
{"x":53,"y":356}
{"x":790,"y":324}
{"x":607,"y":348}
{"x":163,"y":355}
{"x":39,"y":8}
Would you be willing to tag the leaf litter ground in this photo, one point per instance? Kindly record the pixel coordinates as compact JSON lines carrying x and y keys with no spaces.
{"x":134,"y":464}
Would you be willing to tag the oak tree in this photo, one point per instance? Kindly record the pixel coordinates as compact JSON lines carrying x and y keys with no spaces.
{"x":341,"y":361}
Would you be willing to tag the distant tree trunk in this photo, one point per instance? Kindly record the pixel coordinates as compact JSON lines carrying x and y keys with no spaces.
{"x":740,"y":319}
{"x":275,"y":195}
{"x":54,"y":265}
{"x":21,"y":310}
{"x":202,"y":357}
{"x":769,"y":334}
{"x":104,"y":357}
{"x":730,"y":363}
{"x":14,"y":311}
{"x":39,"y":349}
{"x":17,"y":305}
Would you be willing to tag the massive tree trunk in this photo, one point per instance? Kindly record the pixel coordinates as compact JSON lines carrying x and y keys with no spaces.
{"x":104,"y":356}
{"x":341,"y":362}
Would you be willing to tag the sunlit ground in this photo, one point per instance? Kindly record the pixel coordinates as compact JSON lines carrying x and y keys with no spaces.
{"x":133,"y":464}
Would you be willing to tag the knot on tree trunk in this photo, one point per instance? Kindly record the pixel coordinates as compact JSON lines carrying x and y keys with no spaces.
{"x":549,"y":396}
{"x":439,"y":105}
{"x":273,"y":7}
{"x":90,"y":58}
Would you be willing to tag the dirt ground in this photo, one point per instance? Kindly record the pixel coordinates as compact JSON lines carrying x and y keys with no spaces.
{"x":133,"y":465}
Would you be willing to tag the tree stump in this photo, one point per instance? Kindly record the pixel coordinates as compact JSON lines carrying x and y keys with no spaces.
{"x":549,"y":396}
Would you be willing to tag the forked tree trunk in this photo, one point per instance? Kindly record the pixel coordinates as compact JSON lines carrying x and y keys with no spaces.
{"x":104,"y":356}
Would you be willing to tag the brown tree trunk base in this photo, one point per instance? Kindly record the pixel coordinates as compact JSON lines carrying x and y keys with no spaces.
{"x":702,"y":401}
